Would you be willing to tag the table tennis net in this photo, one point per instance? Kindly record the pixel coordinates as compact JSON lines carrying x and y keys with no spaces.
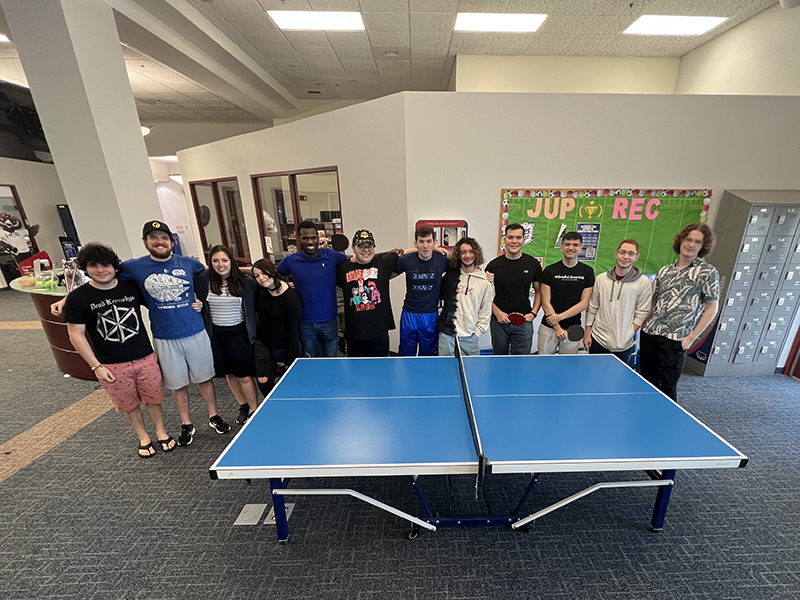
{"x":473,"y":425}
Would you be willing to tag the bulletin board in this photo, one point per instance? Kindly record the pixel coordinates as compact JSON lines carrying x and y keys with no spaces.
{"x":604,"y":217}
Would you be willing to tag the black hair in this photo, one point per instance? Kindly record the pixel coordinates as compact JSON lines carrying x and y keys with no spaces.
{"x":423,"y":232}
{"x":269,"y":269}
{"x":515,"y":226}
{"x":98,"y":254}
{"x":573,"y":235}
{"x":306,"y":224}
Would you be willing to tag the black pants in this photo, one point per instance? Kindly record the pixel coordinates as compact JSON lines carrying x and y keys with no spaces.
{"x":376,"y":346}
{"x":267,"y":360}
{"x":596,"y":348}
{"x":662,"y":362}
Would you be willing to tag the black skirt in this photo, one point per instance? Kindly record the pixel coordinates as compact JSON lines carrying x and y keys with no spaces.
{"x":233,"y":353}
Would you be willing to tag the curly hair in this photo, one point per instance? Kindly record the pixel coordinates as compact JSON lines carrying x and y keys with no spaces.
{"x":98,"y":254}
{"x":709,"y":239}
{"x":455,"y":253}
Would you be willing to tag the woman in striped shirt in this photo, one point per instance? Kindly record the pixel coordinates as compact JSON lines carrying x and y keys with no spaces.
{"x":229,"y":313}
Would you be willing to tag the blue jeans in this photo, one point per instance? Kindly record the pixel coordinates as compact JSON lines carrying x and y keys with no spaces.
{"x":325,"y":332}
{"x":468,"y":345}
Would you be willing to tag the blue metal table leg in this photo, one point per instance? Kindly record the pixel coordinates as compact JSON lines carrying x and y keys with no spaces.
{"x":279,"y":506}
{"x":413,"y":479}
{"x":529,"y":489}
{"x":662,"y":500}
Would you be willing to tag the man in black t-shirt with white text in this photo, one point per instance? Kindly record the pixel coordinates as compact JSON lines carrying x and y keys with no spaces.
{"x":514,"y":273}
{"x":566,"y":291}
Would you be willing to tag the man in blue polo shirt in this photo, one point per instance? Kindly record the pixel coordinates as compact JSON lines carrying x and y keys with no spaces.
{"x":419,"y":321}
{"x":313,"y":271}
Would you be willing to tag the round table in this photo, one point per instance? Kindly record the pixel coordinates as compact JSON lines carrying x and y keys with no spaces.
{"x":55,"y":329}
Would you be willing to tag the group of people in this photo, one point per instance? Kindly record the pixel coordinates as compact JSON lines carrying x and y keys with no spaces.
{"x":250,"y":327}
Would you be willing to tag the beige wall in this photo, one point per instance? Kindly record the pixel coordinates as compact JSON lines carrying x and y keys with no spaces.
{"x":39,"y":190}
{"x":760,"y":56}
{"x":566,"y":74}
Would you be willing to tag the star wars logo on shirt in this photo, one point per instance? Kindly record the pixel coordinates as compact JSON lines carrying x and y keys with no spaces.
{"x":366,"y":295}
{"x":167,"y":288}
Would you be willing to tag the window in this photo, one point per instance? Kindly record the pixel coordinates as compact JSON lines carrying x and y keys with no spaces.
{"x":218,"y":206}
{"x":285,"y":199}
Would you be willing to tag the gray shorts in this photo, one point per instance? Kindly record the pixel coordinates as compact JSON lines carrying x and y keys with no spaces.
{"x":185,"y":361}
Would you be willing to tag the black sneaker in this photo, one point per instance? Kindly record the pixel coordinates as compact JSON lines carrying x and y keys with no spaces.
{"x":244,"y":414}
{"x":219,"y":425}
{"x":187,"y":435}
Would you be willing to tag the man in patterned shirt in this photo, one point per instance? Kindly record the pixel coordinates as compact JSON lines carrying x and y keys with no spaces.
{"x":685,"y":301}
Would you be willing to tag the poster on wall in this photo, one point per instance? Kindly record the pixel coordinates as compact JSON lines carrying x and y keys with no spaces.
{"x":604,"y":217}
{"x":445,"y":233}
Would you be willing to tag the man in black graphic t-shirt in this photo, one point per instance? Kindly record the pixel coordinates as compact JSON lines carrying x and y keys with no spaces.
{"x":120,"y":354}
{"x":566,"y":291}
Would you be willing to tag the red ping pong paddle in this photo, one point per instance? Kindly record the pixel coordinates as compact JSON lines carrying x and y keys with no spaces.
{"x":516,"y":318}
{"x":574,"y":333}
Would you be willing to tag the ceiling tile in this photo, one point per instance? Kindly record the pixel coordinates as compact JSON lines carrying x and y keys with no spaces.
{"x":307,"y":38}
{"x":510,"y":43}
{"x":539,"y":7}
{"x":430,"y":40}
{"x":426,"y":83}
{"x":324,"y":65}
{"x":283,"y":4}
{"x":482,"y":6}
{"x":262,"y":37}
{"x":464,"y":42}
{"x":427,"y":65}
{"x":248,"y":19}
{"x":388,"y":66}
{"x":433,"y":6}
{"x":271,"y":52}
{"x":386,"y":21}
{"x":316,"y":52}
{"x":593,"y":7}
{"x":389,"y":39}
{"x":433,"y":22}
{"x":384,"y":5}
{"x":428,"y":53}
{"x":348,"y":39}
{"x":285,"y":65}
{"x":230,"y":4}
{"x":359,"y":65}
{"x":336,"y":5}
{"x":363,"y":53}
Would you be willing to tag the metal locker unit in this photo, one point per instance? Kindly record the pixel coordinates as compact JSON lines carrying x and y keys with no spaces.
{"x":758,"y":259}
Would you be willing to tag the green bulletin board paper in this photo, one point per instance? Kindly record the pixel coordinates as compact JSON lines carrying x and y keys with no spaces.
{"x":651,"y":217}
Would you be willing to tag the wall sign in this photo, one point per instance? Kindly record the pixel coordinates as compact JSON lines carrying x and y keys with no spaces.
{"x":604,"y":217}
{"x":445,"y":233}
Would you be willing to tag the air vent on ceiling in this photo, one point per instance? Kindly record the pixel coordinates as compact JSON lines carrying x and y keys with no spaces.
{"x":315,"y":92}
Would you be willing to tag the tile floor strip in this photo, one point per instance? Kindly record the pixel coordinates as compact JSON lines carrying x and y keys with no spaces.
{"x":22,"y":450}
{"x":20,"y":325}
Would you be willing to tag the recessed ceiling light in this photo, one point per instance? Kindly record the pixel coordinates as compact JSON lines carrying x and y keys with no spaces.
{"x":4,"y":38}
{"x":317,"y":20}
{"x":176,"y":178}
{"x":499,"y":22}
{"x":673,"y":25}
{"x":145,"y":130}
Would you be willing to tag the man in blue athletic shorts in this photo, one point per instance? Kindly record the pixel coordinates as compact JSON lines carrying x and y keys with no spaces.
{"x":419,"y":321}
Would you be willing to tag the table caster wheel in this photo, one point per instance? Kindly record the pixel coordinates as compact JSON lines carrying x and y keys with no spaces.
{"x":413,"y":534}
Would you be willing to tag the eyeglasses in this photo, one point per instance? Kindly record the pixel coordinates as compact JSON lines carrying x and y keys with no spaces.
{"x":625,"y":253}
{"x":367,"y":246}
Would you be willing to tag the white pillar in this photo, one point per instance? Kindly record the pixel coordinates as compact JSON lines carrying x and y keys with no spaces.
{"x":72,"y":58}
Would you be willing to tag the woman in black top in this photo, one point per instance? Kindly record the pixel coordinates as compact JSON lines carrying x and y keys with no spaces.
{"x":278,"y":309}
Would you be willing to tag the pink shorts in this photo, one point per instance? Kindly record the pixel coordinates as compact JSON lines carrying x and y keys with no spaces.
{"x":136,"y":381}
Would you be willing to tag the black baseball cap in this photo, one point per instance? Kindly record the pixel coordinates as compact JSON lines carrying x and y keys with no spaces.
{"x":363,"y":236}
{"x":152,"y":226}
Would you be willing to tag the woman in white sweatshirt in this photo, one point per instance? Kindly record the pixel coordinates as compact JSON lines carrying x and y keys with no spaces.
{"x":620,"y":303}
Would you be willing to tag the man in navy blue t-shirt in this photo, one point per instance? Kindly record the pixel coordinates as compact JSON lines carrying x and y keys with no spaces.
{"x":419,"y":326}
{"x":313,"y":272}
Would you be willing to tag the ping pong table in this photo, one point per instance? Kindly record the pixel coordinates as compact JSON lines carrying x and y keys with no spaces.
{"x":483,"y":416}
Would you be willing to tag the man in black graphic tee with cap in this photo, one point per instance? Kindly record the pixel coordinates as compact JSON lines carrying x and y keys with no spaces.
{"x":367,"y":307}
{"x":566,"y":290}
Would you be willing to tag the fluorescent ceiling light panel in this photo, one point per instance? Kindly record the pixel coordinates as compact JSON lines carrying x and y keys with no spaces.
{"x":317,"y":20}
{"x":4,"y":38}
{"x":673,"y":25}
{"x":499,"y":22}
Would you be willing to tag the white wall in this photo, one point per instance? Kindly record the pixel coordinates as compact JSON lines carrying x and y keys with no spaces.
{"x":167,"y":138}
{"x":39,"y":191}
{"x":759,"y":56}
{"x":566,"y":74}
{"x":173,"y":207}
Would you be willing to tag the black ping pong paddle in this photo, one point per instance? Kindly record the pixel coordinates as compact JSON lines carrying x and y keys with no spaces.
{"x":340,"y":242}
{"x":574,"y":333}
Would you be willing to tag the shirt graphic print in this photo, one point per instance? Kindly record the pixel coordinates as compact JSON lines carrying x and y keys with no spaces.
{"x":365,"y":296}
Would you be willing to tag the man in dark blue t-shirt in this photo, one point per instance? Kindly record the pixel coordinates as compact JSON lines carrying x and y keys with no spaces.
{"x":419,"y":320}
{"x":313,"y":272}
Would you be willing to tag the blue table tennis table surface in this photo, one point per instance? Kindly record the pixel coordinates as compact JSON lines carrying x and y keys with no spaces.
{"x":406,"y":416}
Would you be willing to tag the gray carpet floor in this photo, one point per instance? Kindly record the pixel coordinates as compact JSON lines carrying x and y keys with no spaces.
{"x":90,"y":520}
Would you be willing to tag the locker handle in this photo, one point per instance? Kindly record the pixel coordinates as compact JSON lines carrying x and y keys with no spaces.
{"x":781,"y":219}
{"x":764,"y":349}
{"x":740,"y":350}
{"x":772,"y":326}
